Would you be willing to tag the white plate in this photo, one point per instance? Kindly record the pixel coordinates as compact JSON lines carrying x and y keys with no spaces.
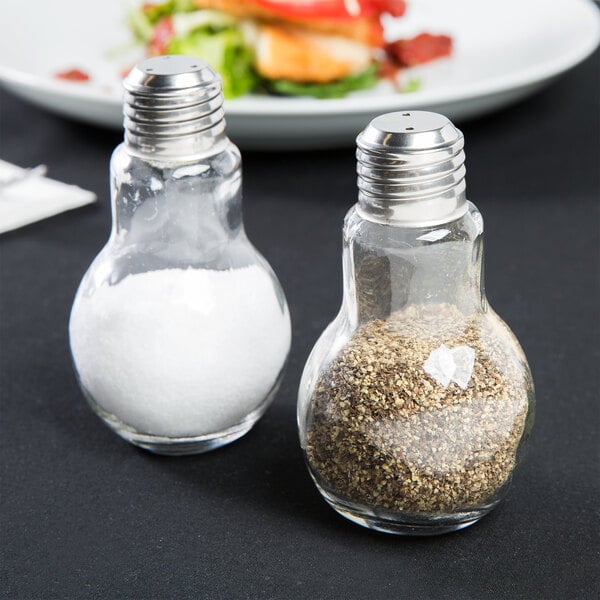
{"x":504,"y":51}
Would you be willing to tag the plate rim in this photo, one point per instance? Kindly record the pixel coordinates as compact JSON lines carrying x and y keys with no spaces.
{"x":258,"y":106}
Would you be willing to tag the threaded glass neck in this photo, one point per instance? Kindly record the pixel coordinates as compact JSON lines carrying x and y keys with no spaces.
{"x":411,"y":170}
{"x":173,"y":109}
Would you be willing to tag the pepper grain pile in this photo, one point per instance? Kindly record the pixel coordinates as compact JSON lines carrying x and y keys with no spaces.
{"x":384,"y":433}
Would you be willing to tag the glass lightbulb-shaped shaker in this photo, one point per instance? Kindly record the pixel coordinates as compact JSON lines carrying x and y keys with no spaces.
{"x":417,"y":398}
{"x":179,"y":330}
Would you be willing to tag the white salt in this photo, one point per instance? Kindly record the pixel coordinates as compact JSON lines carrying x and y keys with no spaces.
{"x":445,"y":365}
{"x":181,"y":352}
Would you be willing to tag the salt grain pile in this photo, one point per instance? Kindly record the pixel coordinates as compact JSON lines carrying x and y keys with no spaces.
{"x":181,"y":352}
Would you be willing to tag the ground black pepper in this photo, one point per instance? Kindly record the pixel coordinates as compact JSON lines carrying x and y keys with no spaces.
{"x":384,"y":433}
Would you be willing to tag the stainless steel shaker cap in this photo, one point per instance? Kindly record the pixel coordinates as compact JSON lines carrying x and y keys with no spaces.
{"x":409,"y":131}
{"x":410,"y":167}
{"x":173,"y":107}
{"x":169,"y":74}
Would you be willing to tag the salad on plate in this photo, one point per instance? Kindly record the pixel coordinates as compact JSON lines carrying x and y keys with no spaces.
{"x":318,"y":48}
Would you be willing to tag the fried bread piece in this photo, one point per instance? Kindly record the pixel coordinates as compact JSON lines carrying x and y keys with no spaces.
{"x":296,"y":54}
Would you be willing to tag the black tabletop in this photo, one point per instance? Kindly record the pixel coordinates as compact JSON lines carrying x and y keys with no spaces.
{"x":86,"y":515}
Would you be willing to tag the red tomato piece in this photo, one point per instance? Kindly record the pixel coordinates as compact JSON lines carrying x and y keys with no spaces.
{"x":420,"y":49}
{"x":332,"y":9}
{"x":73,"y":75}
{"x":396,"y":8}
{"x":161,"y":36}
{"x":389,"y":69}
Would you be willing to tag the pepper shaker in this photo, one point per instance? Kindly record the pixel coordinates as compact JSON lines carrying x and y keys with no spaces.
{"x":180,"y":329}
{"x":416,"y":400}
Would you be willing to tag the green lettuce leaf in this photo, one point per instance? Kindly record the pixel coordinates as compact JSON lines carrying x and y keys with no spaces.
{"x":154,"y":12}
{"x":336,"y":89}
{"x":141,"y":20}
{"x":140,"y":26}
{"x":411,"y":86}
{"x":225,"y":51}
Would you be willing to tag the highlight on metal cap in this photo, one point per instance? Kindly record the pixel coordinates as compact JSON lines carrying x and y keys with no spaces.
{"x":171,"y":74}
{"x":173,"y":107}
{"x":410,"y":167}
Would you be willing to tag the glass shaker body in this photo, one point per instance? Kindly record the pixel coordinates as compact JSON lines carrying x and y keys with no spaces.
{"x":180,"y":329}
{"x":416,"y":400}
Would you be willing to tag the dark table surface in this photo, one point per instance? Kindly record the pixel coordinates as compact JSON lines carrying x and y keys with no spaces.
{"x":86,"y":515}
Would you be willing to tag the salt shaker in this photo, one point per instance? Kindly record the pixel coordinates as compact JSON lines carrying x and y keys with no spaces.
{"x":416,"y":400}
{"x":180,"y":329}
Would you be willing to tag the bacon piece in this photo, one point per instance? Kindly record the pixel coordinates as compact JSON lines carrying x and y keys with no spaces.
{"x":420,"y":49}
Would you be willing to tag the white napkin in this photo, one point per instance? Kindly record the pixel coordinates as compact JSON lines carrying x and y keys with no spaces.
{"x":34,"y":197}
